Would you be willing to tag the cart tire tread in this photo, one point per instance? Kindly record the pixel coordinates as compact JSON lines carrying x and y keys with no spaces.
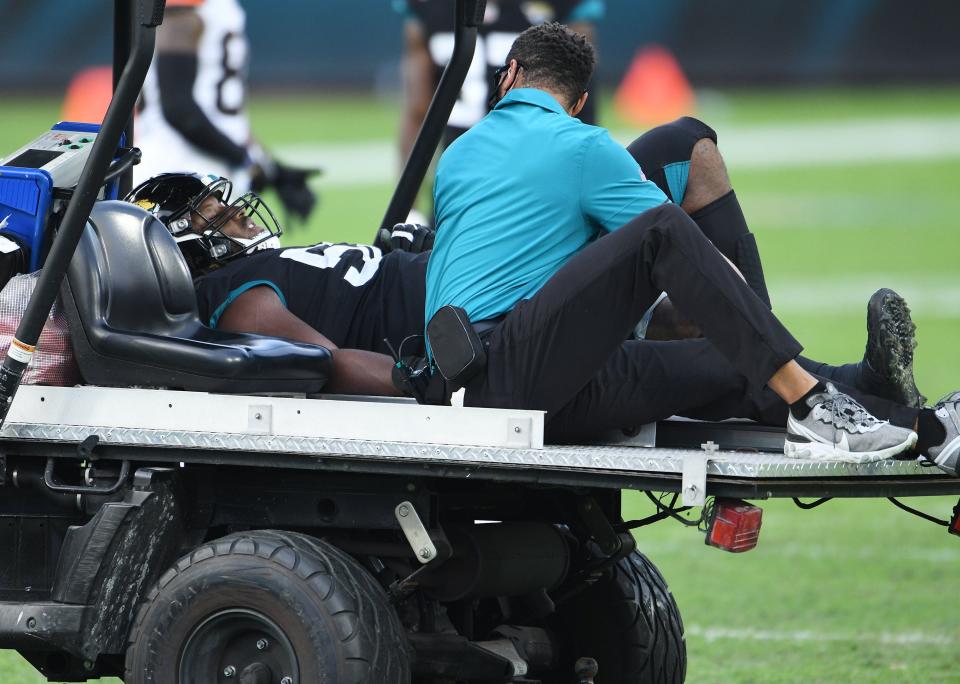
{"x":647,"y":597}
{"x":629,"y":622}
{"x":368,"y":629}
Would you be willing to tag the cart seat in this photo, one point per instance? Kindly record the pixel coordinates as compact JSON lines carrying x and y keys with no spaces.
{"x":133,"y":318}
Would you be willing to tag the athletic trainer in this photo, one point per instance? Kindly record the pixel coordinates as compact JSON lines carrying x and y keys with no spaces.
{"x":553,"y":244}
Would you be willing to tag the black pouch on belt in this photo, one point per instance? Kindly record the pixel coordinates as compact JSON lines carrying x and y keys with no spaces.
{"x":458,"y":352}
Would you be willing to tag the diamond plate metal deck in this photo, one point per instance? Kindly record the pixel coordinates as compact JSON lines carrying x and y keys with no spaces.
{"x":590,"y":458}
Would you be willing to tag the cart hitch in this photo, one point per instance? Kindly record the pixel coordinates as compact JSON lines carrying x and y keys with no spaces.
{"x":586,"y":670}
{"x":85,"y":452}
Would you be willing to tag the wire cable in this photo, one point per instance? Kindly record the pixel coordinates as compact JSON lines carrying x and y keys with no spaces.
{"x":670,"y":511}
{"x":920,"y":514}
{"x":812,"y":504}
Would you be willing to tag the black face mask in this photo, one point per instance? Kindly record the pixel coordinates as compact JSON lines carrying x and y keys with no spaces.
{"x":495,"y":90}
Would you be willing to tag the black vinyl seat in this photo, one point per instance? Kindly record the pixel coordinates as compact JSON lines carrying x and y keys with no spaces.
{"x":133,"y":318}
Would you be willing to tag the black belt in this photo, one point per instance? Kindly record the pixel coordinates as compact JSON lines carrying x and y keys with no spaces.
{"x":487,"y":325}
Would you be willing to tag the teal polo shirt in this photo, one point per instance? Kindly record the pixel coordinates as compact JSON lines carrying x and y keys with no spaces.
{"x":519,"y":194}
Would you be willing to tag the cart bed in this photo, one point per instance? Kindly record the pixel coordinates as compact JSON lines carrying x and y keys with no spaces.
{"x":400,"y":437}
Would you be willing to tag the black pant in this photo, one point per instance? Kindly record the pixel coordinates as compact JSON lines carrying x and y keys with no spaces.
{"x":563,"y":350}
{"x":645,"y":381}
{"x":549,"y":347}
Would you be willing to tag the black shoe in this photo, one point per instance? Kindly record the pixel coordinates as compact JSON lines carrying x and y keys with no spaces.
{"x":887,"y":366}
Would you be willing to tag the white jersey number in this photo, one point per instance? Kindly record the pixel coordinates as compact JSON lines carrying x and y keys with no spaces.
{"x":331,"y":256}
{"x":491,"y":51}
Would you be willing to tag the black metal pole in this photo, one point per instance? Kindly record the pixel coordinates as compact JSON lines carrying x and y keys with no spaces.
{"x":124,"y":27}
{"x":85,"y":194}
{"x":469,"y":17}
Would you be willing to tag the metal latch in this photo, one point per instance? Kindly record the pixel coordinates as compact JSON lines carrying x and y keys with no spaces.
{"x":416,"y":534}
{"x":693,"y":486}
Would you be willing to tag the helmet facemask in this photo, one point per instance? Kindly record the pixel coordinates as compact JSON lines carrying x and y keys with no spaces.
{"x":225,"y":228}
{"x":209,"y":228}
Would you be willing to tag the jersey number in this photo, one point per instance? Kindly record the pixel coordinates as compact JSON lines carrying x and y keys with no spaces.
{"x":491,"y":52}
{"x":331,"y":256}
{"x":230,"y":86}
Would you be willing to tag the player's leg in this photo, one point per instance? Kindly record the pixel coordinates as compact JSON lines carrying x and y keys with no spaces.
{"x":682,"y":158}
{"x":886,"y":369}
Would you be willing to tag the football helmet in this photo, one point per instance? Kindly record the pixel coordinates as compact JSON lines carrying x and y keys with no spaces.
{"x":209,"y":227}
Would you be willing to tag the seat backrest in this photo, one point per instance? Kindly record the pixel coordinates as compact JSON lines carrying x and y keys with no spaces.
{"x":133,"y":317}
{"x":132,"y":268}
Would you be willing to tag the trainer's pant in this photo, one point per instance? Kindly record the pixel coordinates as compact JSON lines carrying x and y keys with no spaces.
{"x":563,"y":350}
{"x":550,"y":346}
{"x":645,"y":381}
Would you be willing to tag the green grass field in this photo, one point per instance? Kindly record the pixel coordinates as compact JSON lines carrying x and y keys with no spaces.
{"x":854,"y":591}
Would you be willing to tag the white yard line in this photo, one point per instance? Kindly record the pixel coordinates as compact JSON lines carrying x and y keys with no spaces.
{"x":760,"y":146}
{"x":930,"y":296}
{"x":837,"y":210}
{"x":888,"y":638}
{"x":765,"y":146}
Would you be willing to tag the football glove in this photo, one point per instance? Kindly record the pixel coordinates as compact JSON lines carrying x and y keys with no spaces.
{"x":289,"y":183}
{"x":406,"y":237}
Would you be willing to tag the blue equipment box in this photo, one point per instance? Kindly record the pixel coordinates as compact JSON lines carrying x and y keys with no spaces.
{"x":29,"y":176}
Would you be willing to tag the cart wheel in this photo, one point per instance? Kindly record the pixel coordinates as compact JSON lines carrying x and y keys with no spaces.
{"x":628,"y":621}
{"x":267,"y":607}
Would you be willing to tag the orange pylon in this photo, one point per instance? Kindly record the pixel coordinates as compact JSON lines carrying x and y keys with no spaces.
{"x":654,"y":90}
{"x":88,"y":95}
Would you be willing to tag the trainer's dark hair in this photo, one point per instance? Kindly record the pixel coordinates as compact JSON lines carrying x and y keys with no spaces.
{"x":555,"y":58}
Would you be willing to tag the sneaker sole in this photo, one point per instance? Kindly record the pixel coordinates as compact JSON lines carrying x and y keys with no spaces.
{"x":891,"y":339}
{"x":814,"y":450}
{"x":949,"y":453}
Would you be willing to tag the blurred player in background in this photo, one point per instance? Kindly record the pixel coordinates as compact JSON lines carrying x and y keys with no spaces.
{"x":192,"y":112}
{"x":428,"y":46}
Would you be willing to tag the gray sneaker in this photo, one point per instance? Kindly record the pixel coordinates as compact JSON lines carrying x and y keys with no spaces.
{"x":947,"y":455}
{"x":837,"y":428}
{"x":891,"y":339}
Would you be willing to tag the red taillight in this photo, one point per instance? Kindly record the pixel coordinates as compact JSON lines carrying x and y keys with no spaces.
{"x":954,"y":527}
{"x":734,"y":525}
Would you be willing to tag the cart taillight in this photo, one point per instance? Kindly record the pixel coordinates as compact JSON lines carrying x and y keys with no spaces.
{"x":954,"y":526}
{"x":734,"y":525}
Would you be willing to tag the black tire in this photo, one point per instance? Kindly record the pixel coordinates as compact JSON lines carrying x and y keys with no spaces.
{"x":320,"y":613}
{"x":628,"y":621}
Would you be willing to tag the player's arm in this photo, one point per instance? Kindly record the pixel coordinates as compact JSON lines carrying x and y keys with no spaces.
{"x":418,"y":84}
{"x":355,"y":371}
{"x":178,"y":39}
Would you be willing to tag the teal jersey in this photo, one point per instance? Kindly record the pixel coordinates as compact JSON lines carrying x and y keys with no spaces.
{"x":519,"y":194}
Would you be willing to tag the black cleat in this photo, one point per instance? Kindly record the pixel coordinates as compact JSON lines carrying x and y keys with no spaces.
{"x":888,"y":359}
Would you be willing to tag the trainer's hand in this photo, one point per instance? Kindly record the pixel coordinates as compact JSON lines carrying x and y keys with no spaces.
{"x":406,"y":237}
